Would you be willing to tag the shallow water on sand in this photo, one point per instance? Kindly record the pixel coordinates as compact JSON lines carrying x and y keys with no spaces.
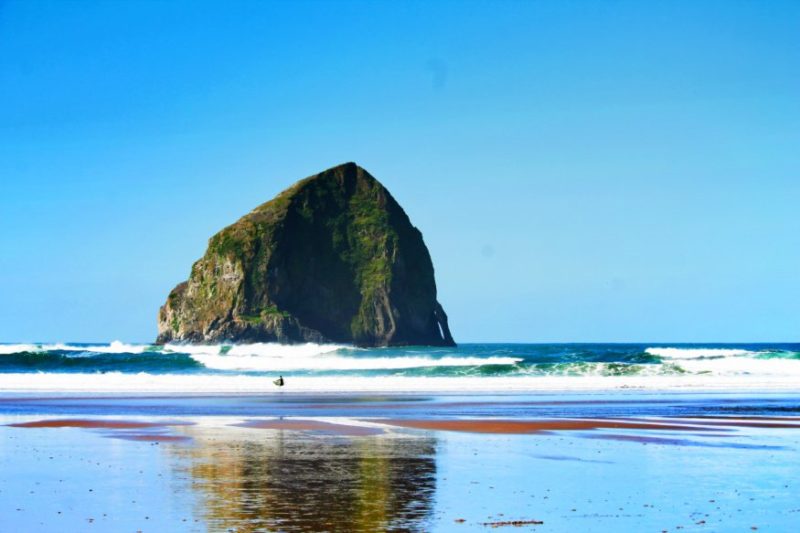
{"x":599,"y":462}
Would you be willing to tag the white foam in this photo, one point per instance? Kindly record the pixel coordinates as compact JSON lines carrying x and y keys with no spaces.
{"x":323,"y":362}
{"x":269,"y":350}
{"x":258,"y":349}
{"x":586,"y":369}
{"x":694,"y":353}
{"x":744,"y":366}
{"x":273,"y":357}
{"x":729,"y":362}
{"x":114,"y":347}
{"x":8,"y":349}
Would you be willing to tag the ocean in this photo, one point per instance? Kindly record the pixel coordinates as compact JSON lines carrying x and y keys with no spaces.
{"x":486,"y":367}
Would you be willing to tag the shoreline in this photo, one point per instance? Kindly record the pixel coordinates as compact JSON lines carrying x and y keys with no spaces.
{"x":186,"y":384}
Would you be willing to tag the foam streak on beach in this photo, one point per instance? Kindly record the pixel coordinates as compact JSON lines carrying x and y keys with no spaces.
{"x":205,"y":384}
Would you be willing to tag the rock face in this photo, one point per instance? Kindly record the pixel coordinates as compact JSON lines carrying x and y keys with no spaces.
{"x":334,"y":258}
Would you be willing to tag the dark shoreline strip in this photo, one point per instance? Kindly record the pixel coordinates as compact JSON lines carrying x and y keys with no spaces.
{"x":536,"y":426}
{"x":317,"y":426}
{"x":150,"y":437}
{"x":91,"y":424}
{"x":148,"y":431}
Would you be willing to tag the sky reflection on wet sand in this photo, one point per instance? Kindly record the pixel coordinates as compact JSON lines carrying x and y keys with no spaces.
{"x":310,"y":473}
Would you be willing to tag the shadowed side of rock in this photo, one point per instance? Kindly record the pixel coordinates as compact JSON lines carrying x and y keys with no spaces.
{"x":334,"y":258}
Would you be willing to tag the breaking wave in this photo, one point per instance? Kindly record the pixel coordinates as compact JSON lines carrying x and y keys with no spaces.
{"x":261,"y":350}
{"x":470,"y":361}
{"x":113,"y":347}
{"x":281,"y":364}
{"x":272,"y":357}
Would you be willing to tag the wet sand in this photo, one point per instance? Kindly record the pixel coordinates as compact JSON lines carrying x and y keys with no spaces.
{"x":365,"y":464}
{"x":91,"y":424}
{"x":500,"y":427}
{"x":492,"y":426}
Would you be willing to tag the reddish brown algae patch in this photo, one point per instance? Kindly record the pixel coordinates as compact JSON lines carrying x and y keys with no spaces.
{"x":533,"y":426}
{"x":89,"y":424}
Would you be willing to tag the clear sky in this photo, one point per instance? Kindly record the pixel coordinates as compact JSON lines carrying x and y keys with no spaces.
{"x":581,"y":171}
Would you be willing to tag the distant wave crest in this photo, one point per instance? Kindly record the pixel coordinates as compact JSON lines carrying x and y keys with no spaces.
{"x":114,"y":347}
{"x":695,"y":353}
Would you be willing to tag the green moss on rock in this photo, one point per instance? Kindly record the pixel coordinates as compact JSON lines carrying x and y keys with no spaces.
{"x":332,"y":258}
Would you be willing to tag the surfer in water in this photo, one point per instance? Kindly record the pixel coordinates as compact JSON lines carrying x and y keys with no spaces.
{"x":279,"y":381}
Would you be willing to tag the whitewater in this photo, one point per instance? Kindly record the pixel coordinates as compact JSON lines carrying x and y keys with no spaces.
{"x":500,"y":368}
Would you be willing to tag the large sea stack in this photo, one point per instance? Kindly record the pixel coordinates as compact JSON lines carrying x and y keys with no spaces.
{"x":333,"y":258}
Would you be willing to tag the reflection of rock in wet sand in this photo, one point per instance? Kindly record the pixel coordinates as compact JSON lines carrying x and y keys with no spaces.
{"x":257,"y":480}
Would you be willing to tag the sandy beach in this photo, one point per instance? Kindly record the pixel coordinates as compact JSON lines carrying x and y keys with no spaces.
{"x":599,"y":462}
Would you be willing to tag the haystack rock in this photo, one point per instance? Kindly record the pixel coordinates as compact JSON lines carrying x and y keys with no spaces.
{"x":333,"y":258}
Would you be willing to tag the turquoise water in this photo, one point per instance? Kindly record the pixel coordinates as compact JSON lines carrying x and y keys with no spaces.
{"x":471,"y":360}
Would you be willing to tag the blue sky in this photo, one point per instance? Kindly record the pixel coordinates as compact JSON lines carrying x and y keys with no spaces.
{"x":581,"y":171}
